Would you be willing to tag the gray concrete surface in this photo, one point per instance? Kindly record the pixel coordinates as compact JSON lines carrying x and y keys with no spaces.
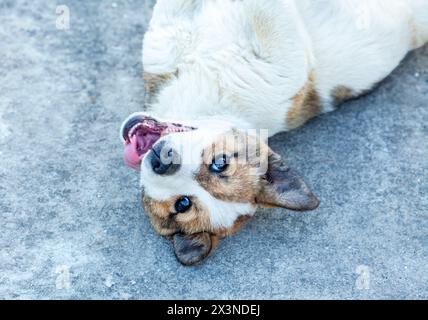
{"x":71,"y":222}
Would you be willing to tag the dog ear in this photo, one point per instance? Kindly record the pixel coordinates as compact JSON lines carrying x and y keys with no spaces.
{"x":192,"y":249}
{"x":282,"y":187}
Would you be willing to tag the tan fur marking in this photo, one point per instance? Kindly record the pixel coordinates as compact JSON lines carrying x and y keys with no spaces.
{"x":341,"y":94}
{"x":239,"y":183}
{"x":416,"y":41}
{"x":239,"y":223}
{"x":195,"y":221}
{"x":153,"y":83}
{"x":307,"y":105}
{"x":415,"y":38}
{"x":215,"y":241}
{"x":166,"y":222}
{"x":159,"y":213}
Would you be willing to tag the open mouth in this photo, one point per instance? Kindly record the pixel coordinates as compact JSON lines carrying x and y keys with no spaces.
{"x":140,"y":133}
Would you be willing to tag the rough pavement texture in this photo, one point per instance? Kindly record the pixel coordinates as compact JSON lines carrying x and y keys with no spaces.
{"x":71,"y":224}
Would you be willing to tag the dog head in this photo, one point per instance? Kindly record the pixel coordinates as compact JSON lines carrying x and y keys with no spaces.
{"x":202,"y":179}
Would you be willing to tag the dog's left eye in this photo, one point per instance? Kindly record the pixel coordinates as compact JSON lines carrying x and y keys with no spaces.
{"x":219,"y":164}
{"x":183,"y":204}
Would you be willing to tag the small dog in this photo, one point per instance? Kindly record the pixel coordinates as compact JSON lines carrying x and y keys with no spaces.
{"x":216,"y":72}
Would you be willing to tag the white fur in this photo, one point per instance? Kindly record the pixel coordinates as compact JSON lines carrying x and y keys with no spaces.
{"x":240,"y":63}
{"x":228,"y":68}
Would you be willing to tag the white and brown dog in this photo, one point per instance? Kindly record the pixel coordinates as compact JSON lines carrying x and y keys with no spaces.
{"x":215,"y":69}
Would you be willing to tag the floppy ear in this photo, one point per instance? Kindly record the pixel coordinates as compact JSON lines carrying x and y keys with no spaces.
{"x":192,"y":249}
{"x":282,"y":187}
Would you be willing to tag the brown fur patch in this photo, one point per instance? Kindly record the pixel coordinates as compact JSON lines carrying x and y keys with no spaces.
{"x":240,"y":181}
{"x":306,"y":105}
{"x":415,"y":40}
{"x":166,"y":222}
{"x":239,"y":223}
{"x":153,"y":83}
{"x":341,"y":94}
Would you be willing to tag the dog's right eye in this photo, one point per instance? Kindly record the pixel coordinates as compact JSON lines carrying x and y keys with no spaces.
{"x":183,"y":204}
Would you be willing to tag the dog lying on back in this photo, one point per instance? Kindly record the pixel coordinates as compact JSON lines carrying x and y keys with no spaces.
{"x":221,"y":76}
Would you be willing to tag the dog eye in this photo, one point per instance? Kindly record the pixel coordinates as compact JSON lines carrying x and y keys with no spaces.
{"x":183,"y":204}
{"x":219,"y":164}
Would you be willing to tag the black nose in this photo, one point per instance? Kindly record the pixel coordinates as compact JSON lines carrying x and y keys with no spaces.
{"x":164,"y":160}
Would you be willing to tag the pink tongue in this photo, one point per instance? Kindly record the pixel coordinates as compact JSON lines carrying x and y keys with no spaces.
{"x":131,"y":157}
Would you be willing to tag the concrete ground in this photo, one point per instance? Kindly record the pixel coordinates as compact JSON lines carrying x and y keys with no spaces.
{"x":71,"y":224}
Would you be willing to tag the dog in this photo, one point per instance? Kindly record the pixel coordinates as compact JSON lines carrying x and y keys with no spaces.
{"x":217,"y":72}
